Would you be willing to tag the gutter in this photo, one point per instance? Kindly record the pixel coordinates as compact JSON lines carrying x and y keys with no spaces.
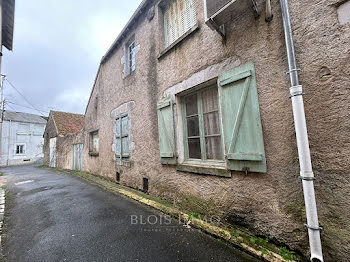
{"x":306,"y":173}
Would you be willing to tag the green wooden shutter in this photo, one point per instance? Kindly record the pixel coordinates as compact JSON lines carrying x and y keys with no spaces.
{"x":118,"y":140}
{"x":166,"y":132}
{"x":243,"y":136}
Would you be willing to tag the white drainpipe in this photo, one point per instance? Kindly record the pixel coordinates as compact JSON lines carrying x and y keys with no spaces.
{"x":306,"y":173}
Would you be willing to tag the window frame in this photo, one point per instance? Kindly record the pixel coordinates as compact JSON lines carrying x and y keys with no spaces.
{"x":91,"y":142}
{"x":23,"y":151}
{"x":130,"y":56}
{"x":122,"y":156}
{"x":203,"y":160}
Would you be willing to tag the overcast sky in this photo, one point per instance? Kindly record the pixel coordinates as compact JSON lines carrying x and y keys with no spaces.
{"x":58,"y":45}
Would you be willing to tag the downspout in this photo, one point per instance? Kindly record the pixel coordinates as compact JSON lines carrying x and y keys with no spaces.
{"x":306,"y":173}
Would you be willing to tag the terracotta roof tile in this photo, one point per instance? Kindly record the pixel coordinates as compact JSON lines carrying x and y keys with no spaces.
{"x":67,"y":123}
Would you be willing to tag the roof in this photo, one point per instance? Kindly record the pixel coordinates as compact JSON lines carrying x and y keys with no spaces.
{"x":117,"y":41}
{"x":8,"y":18}
{"x":23,"y":117}
{"x":67,"y":123}
{"x":125,"y":30}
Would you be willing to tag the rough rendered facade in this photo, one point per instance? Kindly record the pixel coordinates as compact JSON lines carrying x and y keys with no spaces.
{"x":268,"y":204}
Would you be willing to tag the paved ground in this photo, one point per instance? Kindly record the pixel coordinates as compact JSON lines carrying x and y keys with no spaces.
{"x":57,"y":217}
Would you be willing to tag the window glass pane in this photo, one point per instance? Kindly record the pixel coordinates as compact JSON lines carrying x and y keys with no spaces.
{"x":193,"y":126}
{"x":95,"y":143}
{"x":211,"y":123}
{"x":210,"y":100}
{"x":125,"y":126}
{"x":194,"y":148}
{"x":117,"y":127}
{"x":131,"y":56}
{"x":213,"y":146}
{"x":117,"y":146}
{"x":125,"y":143}
{"x":20,"y":149}
{"x":191,"y":105}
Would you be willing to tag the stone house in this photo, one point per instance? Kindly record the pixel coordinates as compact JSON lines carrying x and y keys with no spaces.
{"x":21,"y":138}
{"x":63,"y":129}
{"x":191,"y":103}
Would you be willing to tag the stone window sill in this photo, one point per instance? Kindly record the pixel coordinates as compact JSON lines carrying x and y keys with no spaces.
{"x":214,"y":168}
{"x":178,"y":41}
{"x":123,"y":162}
{"x":128,"y":74}
{"x":93,"y":153}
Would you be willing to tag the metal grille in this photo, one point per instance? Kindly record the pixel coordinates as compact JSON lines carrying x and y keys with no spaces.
{"x":215,"y":5}
{"x":179,"y":17}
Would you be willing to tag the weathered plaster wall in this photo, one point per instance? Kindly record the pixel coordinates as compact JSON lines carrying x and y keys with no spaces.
{"x":64,"y":150}
{"x":268,"y":204}
{"x":28,"y":134}
{"x":50,"y":132}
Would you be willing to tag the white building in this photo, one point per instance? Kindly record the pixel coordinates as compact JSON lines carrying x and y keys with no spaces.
{"x":22,"y":138}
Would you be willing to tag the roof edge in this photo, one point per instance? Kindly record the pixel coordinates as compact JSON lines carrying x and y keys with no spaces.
{"x":121,"y":35}
{"x":53,"y":119}
{"x":93,"y":87}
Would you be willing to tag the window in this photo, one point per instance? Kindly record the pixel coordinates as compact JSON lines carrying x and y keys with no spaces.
{"x":122,"y":136}
{"x":202,"y":125}
{"x":23,"y":128}
{"x":94,"y":141}
{"x":179,"y":17}
{"x":130,"y":53}
{"x":20,"y":150}
{"x":221,"y":123}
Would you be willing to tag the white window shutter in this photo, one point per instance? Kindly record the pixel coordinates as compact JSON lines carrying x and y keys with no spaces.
{"x":179,"y":17}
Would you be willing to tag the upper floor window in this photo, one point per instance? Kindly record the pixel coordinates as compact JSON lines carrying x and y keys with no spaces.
{"x":94,"y":142}
{"x":179,"y":17}
{"x":23,"y":128}
{"x":130,"y":53}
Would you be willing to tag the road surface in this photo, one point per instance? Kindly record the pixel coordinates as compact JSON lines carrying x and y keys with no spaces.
{"x":52,"y":216}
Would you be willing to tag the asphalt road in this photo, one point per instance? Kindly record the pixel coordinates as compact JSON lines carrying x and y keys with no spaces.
{"x":51,"y":216}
